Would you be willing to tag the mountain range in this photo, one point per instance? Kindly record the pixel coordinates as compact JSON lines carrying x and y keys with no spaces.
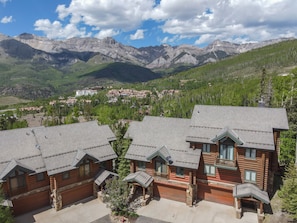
{"x":32,"y":66}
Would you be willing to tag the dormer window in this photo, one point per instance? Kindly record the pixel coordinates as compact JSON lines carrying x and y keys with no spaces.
{"x":17,"y":180}
{"x":85,"y":169}
{"x":227,"y":151}
{"x":226,"y":158}
{"x":160,"y":166}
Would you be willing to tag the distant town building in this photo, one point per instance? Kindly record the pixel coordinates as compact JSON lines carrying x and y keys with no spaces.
{"x":85,"y":92}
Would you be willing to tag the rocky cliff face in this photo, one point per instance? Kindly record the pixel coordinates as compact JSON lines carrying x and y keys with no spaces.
{"x":156,"y":57}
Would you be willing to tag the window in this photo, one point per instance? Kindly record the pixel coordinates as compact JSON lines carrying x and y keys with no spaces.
{"x":206,"y":148}
{"x":141,"y":165}
{"x":250,"y":153}
{"x":226,"y":152}
{"x":160,"y":166}
{"x":17,"y":180}
{"x":84,"y":169}
{"x":179,"y":171}
{"x":65,"y":175}
{"x":250,"y":176}
{"x":40,"y":176}
{"x":103,"y":165}
{"x":209,"y":169}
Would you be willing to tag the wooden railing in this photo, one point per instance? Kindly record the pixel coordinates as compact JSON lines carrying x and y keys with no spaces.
{"x":163,"y":175}
{"x":225,"y":163}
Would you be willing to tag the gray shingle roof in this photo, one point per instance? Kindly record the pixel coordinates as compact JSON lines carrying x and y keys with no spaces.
{"x":159,"y":135}
{"x":139,"y":177}
{"x":59,"y":145}
{"x":253,"y":125}
{"x":54,"y":149}
{"x":103,"y":175}
{"x":19,"y":145}
{"x":250,"y":190}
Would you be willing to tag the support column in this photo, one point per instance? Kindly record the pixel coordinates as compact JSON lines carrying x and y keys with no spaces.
{"x":238,"y":208}
{"x":57,"y":200}
{"x":132,"y":168}
{"x":260,"y":213}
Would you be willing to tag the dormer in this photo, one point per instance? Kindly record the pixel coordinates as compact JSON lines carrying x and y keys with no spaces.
{"x":15,"y":174}
{"x":227,"y":140}
{"x":162,"y":158}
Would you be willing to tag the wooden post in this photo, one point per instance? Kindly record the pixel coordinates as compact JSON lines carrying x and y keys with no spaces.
{"x":261,"y":207}
{"x":238,"y":203}
{"x":143,"y":192}
{"x":190,"y":177}
{"x":194,"y":178}
{"x":132,"y":168}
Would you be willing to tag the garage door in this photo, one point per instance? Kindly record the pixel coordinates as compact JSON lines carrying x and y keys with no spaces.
{"x":30,"y":203}
{"x":169,"y":192}
{"x":214,"y":194}
{"x":77,"y":193}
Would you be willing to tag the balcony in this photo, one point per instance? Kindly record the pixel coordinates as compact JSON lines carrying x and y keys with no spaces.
{"x":161,"y":175}
{"x":226,"y":164}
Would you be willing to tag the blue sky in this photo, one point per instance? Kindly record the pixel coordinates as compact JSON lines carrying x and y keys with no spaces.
{"x":152,"y":22}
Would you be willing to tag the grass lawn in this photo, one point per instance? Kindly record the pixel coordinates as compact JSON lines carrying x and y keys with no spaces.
{"x":11,"y":100}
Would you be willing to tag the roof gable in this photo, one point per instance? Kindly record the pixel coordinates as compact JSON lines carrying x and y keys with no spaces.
{"x":250,"y":190}
{"x":103,"y":175}
{"x":12,"y":166}
{"x":81,"y":156}
{"x":163,"y":152}
{"x":139,"y":177}
{"x":228,"y":133}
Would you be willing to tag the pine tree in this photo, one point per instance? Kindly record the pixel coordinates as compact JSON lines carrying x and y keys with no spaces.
{"x":288,"y":192}
{"x":116,"y":194}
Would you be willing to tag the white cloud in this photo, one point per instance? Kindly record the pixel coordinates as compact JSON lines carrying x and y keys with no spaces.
{"x":6,"y":19}
{"x":204,"y":20}
{"x":109,"y":17}
{"x":106,"y":33}
{"x":57,"y":30}
{"x":139,"y":34}
{"x":256,"y":20}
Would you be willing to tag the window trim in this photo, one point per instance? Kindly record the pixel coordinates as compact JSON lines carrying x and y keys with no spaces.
{"x":250,"y":172}
{"x":65,"y":175}
{"x":40,"y":177}
{"x":224,"y":152}
{"x":206,"y":148}
{"x":20,"y":178}
{"x":163,"y":166}
{"x":141,"y":165}
{"x":248,"y":153}
{"x":180,"y":171}
{"x":209,"y":173}
{"x":84,"y":169}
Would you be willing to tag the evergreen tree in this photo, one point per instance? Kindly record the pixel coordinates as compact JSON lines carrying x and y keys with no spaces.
{"x":288,"y":192}
{"x":5,"y":212}
{"x":121,"y":146}
{"x":116,"y":194}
